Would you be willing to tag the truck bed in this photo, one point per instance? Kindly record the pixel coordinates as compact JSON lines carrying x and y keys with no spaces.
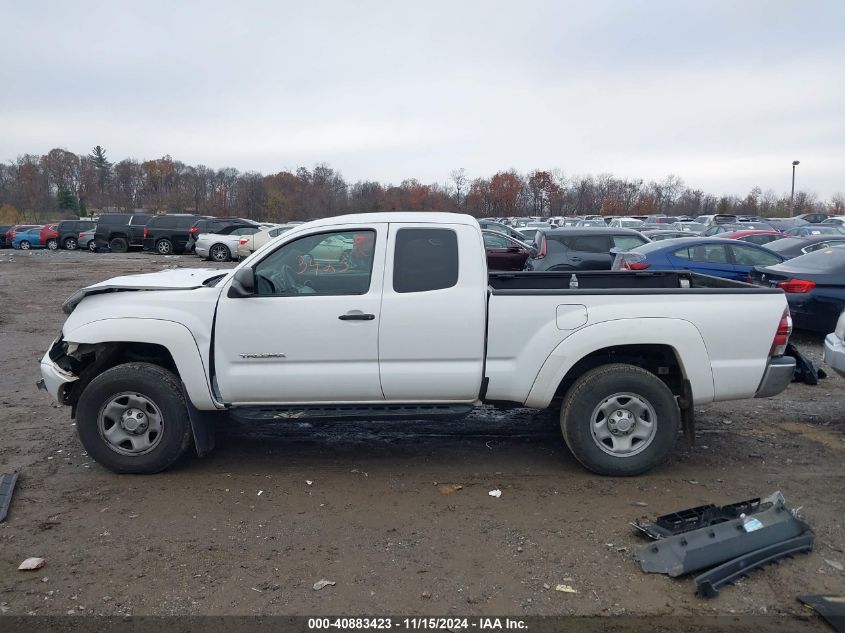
{"x":617,"y":282}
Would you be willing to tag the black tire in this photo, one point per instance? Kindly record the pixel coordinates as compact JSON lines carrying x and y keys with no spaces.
{"x":164,"y":247}
{"x":92,"y":246}
{"x":219,"y":253}
{"x":153,"y":383}
{"x":25,"y":246}
{"x":71,"y":244}
{"x":53,"y":244}
{"x":597,"y":386}
{"x":119,"y":245}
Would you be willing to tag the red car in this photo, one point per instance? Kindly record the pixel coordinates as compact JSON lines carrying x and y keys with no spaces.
{"x":761,"y":238}
{"x":505,"y":252}
{"x":49,"y":236}
{"x":16,"y":228}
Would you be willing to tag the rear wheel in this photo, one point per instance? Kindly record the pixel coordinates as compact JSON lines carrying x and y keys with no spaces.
{"x":164,"y":247}
{"x":92,"y":246}
{"x":71,"y":243}
{"x":620,"y":420}
{"x":132,"y":418}
{"x":119,"y":245}
{"x":53,"y":244}
{"x":219,"y":253}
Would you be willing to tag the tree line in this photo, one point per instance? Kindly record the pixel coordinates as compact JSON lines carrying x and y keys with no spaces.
{"x":36,"y":188}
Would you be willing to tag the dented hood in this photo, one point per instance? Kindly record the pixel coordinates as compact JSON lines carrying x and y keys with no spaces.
{"x":177,"y":279}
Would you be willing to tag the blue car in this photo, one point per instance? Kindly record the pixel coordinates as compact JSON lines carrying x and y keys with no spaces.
{"x":27,"y":239}
{"x":730,"y":259}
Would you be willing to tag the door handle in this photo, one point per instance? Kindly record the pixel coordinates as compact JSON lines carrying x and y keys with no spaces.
{"x":357,"y":317}
{"x":575,"y":259}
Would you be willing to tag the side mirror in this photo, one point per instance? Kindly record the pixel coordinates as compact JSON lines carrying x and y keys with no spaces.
{"x":243,"y":284}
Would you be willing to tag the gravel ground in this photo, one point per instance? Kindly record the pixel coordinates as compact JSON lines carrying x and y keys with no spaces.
{"x":276,"y":508}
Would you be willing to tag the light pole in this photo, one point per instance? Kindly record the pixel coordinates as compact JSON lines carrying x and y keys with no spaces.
{"x":795,"y":163}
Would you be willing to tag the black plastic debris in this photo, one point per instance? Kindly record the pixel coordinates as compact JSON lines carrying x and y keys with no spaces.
{"x":728,"y":540}
{"x":831,"y":608}
{"x":806,"y":370}
{"x":7,"y":489}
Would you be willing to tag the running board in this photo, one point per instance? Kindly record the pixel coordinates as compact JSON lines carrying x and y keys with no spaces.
{"x":354,"y":412}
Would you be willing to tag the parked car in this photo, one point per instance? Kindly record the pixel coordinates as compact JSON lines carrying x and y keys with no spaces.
{"x":814,"y":285}
{"x":120,"y":232}
{"x":416,"y":327}
{"x":834,"y":347}
{"x":30,"y":238}
{"x":790,"y":247}
{"x":587,"y":223}
{"x":85,"y":240}
{"x":68,"y":233}
{"x":814,"y":229}
{"x":581,"y":248}
{"x":655,"y":235}
{"x":692,"y":227}
{"x":528,"y":235}
{"x":223,"y":246}
{"x":48,"y":236}
{"x":502,"y":228}
{"x":728,"y":259}
{"x":759,"y":237}
{"x":504,"y":252}
{"x":248,"y":244}
{"x":718,"y":218}
{"x":716,"y":229}
{"x":214,"y":225}
{"x":813,"y":218}
{"x":10,"y":232}
{"x":835,"y":220}
{"x":625,"y":223}
{"x":781,"y":224}
{"x":660,"y":218}
{"x":3,"y":229}
{"x":168,"y":233}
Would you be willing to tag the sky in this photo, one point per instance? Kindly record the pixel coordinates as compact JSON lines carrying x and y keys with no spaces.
{"x":724,"y":94}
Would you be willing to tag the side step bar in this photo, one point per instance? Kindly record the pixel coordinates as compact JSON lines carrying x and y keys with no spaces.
{"x":353,"y":412}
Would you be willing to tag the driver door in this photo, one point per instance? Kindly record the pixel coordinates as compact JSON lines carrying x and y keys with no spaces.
{"x":310,"y":332}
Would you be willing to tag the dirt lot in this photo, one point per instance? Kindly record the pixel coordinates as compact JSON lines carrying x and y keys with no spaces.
{"x":251,"y":528}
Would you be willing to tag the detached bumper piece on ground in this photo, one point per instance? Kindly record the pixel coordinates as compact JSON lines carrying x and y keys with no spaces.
{"x":728,"y":541}
{"x":831,"y":608}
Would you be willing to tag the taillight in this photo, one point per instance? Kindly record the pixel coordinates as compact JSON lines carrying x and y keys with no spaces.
{"x":626,"y":265}
{"x":146,"y":232}
{"x":193,"y":229}
{"x":544,"y":247}
{"x":782,"y":335}
{"x":243,"y":240}
{"x":797,"y":285}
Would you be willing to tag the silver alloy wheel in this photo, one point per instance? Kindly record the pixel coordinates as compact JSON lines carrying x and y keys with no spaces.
{"x":623,"y":424}
{"x":53,"y":245}
{"x":130,"y":423}
{"x":219,"y":253}
{"x":71,"y":244}
{"x":24,"y":245}
{"x":164,"y":247}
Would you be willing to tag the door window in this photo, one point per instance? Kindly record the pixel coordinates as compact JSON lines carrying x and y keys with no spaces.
{"x":591,"y":244}
{"x":746,"y":256}
{"x":709,"y":254}
{"x":495,"y":241}
{"x":336,"y":263}
{"x":425,"y":259}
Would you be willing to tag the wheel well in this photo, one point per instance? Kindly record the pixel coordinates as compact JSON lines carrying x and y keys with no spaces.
{"x":88,"y":361}
{"x":660,"y":360}
{"x":117,"y":235}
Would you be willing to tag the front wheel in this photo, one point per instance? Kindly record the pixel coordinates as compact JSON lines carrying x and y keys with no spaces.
{"x":132,"y":418}
{"x":119,"y":245}
{"x":71,"y":244}
{"x":25,"y":246}
{"x":620,"y":420}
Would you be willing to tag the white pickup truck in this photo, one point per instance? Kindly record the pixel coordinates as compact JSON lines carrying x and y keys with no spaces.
{"x":394,"y":315}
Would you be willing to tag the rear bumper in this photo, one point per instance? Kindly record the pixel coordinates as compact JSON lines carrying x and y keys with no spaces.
{"x":200,"y":251}
{"x":834,"y":353}
{"x":779,"y":373}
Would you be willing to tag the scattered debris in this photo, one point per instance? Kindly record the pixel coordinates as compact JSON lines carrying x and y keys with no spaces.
{"x":425,"y":595}
{"x":546,"y":585}
{"x":495,"y":493}
{"x":728,"y":540}
{"x":260,"y":492}
{"x":642,"y":504}
{"x":835,"y":564}
{"x":447,"y":489}
{"x":7,"y":489}
{"x":308,"y":482}
{"x":32,"y":563}
{"x":565,"y":589}
{"x":320,"y":584}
